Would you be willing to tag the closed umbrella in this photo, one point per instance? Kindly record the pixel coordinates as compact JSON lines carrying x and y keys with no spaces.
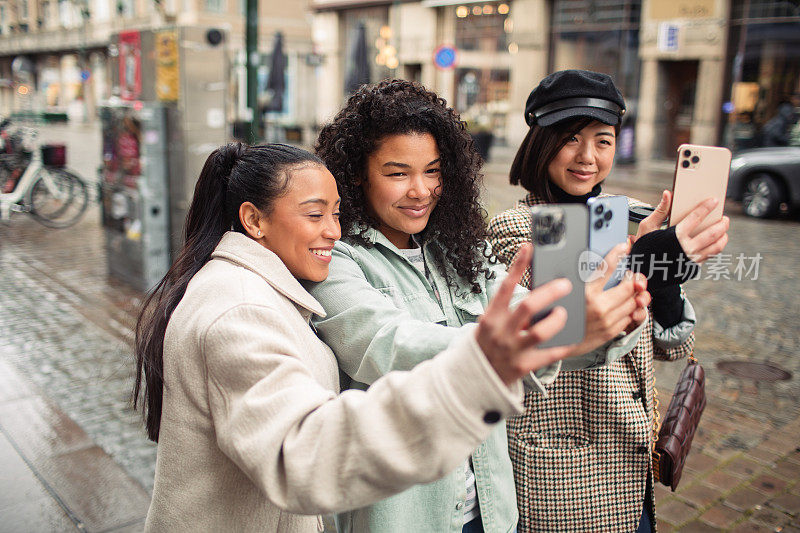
{"x":359,"y":64}
{"x":276,"y":83}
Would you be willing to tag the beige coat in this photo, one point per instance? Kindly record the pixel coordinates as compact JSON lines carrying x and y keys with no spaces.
{"x":254,"y":434}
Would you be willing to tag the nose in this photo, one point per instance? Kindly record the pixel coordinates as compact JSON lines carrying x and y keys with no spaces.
{"x":332,"y":229}
{"x":586,"y":153}
{"x":418,"y":187}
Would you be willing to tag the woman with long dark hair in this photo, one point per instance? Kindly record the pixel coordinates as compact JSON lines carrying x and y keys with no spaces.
{"x":241,"y":395}
{"x":582,"y":455}
{"x":412,"y":272}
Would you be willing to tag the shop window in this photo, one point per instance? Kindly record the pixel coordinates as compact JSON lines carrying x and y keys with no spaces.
{"x":764,"y":52}
{"x":599,"y":36}
{"x":215,"y":6}
{"x":761,"y":9}
{"x":483,"y":27}
{"x":369,"y":47}
{"x":482,"y":98}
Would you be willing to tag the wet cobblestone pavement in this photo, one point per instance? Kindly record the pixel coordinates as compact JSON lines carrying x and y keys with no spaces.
{"x":74,"y":456}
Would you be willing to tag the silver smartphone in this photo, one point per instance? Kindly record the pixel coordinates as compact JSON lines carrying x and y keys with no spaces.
{"x":560,"y":236}
{"x":608,"y":227}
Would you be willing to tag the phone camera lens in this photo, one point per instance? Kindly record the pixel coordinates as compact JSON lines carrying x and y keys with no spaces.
{"x":695,"y":159}
{"x":608,"y":215}
{"x":598,"y":209}
{"x":685,"y":163}
{"x":598,"y":224}
{"x":687,"y":153}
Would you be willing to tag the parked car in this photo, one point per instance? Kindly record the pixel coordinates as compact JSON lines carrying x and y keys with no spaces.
{"x":764,"y":178}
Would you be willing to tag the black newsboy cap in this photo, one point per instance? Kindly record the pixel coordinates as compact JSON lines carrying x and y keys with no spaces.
{"x":574,"y":93}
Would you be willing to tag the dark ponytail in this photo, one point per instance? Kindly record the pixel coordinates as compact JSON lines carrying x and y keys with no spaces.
{"x":232,"y":174}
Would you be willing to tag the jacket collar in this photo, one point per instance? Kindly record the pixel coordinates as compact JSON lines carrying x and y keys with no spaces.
{"x":374,"y":236}
{"x":244,"y":251}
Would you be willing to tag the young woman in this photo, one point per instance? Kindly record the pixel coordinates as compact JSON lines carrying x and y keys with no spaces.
{"x":241,"y":395}
{"x":582,"y":454}
{"x":412,"y":272}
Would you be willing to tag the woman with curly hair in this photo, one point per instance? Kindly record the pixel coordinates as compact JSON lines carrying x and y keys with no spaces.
{"x":411,"y":274}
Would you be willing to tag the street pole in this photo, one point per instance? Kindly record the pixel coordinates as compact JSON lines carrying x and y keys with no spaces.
{"x":253,"y":60}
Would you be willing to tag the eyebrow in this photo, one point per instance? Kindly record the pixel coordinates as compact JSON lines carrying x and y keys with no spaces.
{"x":318,"y":201}
{"x":608,"y":133}
{"x":405,"y":165}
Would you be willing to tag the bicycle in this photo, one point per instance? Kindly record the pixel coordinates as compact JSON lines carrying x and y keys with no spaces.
{"x":54,"y":196}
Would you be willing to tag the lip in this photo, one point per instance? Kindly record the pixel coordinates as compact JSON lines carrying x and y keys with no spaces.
{"x":583,"y":176}
{"x":415,"y":211}
{"x":323,"y":258}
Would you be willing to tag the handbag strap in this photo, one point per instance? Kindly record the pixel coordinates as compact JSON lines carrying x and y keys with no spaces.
{"x":657,"y":425}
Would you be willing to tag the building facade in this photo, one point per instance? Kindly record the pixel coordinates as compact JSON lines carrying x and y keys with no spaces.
{"x":54,"y":54}
{"x":700,"y":71}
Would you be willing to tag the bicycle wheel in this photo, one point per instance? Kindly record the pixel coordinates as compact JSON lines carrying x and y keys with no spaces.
{"x":58,"y":198}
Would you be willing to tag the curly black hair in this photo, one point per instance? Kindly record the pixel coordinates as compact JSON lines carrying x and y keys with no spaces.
{"x":391,"y":107}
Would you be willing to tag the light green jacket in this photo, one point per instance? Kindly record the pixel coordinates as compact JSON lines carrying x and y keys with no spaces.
{"x":382,"y":314}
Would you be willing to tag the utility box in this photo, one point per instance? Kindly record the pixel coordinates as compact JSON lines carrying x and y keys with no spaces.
{"x":134,"y":193}
{"x":181,"y":75}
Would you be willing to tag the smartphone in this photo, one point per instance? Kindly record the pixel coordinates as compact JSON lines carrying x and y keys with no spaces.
{"x":700,"y":172}
{"x":560,"y":236}
{"x":608,"y":227}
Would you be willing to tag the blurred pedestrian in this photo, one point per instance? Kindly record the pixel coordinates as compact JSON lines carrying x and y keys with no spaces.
{"x":777,"y":130}
{"x":241,"y":395}
{"x":412,"y":272}
{"x":582,"y":453}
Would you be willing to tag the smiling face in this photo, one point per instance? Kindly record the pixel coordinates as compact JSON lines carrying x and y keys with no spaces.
{"x":304,"y":223}
{"x":585,"y":160}
{"x":403,"y":184}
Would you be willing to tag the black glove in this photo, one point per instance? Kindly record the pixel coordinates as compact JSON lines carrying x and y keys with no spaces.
{"x":659,"y":256}
{"x":667,"y":305}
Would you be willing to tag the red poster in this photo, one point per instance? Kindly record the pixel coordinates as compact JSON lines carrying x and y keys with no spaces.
{"x":130,"y":65}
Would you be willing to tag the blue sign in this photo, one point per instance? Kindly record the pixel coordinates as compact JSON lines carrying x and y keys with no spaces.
{"x":445,"y":57}
{"x":85,"y":75}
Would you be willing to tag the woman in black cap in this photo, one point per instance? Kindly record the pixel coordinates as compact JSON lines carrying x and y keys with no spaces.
{"x":581,"y":454}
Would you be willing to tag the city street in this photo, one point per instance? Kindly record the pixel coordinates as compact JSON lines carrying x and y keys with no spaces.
{"x":73,"y":455}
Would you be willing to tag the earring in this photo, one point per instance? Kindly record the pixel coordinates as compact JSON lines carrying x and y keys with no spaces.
{"x":259,"y":233}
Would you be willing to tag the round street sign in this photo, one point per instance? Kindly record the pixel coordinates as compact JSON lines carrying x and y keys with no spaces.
{"x":445,"y":57}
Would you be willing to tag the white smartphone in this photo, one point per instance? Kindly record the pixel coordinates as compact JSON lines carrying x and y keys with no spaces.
{"x":608,"y":227}
{"x":700,"y":172}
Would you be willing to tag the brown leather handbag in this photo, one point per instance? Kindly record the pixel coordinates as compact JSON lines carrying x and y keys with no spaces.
{"x":674,"y":437}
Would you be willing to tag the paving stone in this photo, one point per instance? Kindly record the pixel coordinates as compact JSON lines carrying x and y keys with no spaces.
{"x":699,"y":462}
{"x":770,"y":517}
{"x":767,"y":457}
{"x":720,"y":516}
{"x":752,"y":527}
{"x":700,"y":495}
{"x":789,"y":503}
{"x":676,"y":512}
{"x":696,"y":526}
{"x":96,"y":489}
{"x":781,"y":443}
{"x":768,"y":484}
{"x":787,"y":469}
{"x":743,"y":467}
{"x":744,"y":499}
{"x":664,"y":527}
{"x":722,"y":480}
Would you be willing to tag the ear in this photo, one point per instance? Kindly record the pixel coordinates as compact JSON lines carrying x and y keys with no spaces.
{"x":253,"y":220}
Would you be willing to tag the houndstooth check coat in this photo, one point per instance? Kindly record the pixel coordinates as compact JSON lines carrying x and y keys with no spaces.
{"x":582,"y":453}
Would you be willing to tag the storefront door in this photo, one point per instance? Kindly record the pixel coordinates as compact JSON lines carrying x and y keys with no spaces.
{"x":680,"y":82}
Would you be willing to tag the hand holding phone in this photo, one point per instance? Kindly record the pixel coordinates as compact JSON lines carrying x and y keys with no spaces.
{"x":701,"y":172}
